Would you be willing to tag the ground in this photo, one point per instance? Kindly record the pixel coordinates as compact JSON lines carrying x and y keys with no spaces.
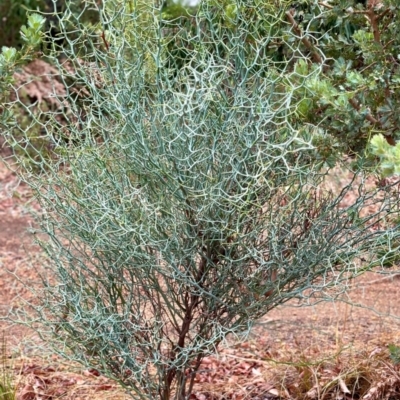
{"x":334,"y":350}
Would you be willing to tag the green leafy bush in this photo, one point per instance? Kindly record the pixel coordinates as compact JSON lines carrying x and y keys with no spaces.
{"x":356,"y":96}
{"x":10,"y":59}
{"x":14,"y":15}
{"x":389,"y":155}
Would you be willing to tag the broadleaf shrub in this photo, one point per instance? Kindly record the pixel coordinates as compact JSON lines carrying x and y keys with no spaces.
{"x":357,"y":44}
{"x":14,"y":15}
{"x":186,"y":197}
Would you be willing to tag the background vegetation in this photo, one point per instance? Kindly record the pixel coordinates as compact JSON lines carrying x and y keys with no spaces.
{"x":13,"y":15}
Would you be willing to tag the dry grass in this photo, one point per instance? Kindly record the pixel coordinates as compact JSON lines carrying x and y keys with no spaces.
{"x":8,"y":388}
{"x":253,"y":369}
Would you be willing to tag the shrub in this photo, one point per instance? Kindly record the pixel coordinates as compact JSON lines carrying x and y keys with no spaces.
{"x":13,"y":15}
{"x":356,"y":96}
{"x":184,"y":199}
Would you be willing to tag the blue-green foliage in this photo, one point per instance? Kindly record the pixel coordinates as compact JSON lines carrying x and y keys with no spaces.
{"x":187,"y":194}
